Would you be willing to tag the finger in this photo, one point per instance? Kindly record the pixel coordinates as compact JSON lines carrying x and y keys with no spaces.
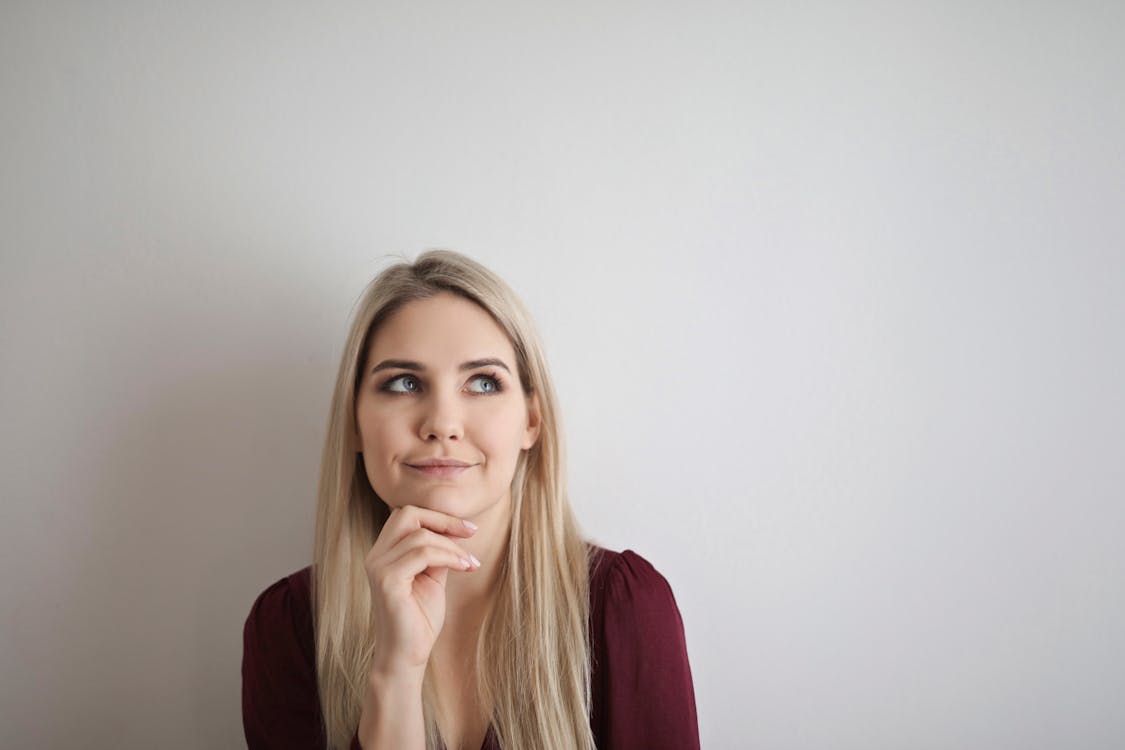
{"x":423,"y":537}
{"x":385,"y":553}
{"x":407,"y":518}
{"x":417,"y":560}
{"x":427,"y":538}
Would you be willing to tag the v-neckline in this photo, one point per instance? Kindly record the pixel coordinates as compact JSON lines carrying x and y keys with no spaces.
{"x":487,"y":743}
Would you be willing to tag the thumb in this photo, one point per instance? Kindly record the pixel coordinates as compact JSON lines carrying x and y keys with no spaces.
{"x":439,"y":574}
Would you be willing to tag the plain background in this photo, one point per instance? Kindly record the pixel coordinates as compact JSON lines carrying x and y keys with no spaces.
{"x":833,"y":294}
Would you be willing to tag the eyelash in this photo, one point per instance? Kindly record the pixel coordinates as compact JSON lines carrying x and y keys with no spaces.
{"x":497,"y":382}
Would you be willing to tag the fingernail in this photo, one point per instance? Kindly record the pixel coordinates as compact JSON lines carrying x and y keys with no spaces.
{"x":470,"y":524}
{"x":475,"y":560}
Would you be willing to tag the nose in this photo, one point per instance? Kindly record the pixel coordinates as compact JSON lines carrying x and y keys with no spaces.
{"x":441,"y":418}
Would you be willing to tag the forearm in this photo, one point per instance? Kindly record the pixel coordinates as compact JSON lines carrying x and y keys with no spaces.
{"x":391,"y":715}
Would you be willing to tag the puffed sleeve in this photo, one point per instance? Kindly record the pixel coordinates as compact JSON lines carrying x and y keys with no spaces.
{"x":280,"y":704}
{"x":642,"y":688}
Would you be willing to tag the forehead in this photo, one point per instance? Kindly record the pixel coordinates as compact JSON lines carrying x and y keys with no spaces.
{"x":444,"y":329}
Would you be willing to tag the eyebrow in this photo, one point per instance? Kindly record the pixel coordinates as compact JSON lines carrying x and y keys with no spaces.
{"x":406,"y":364}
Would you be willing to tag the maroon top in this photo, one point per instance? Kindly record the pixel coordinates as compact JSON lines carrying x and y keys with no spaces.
{"x":640,"y":681}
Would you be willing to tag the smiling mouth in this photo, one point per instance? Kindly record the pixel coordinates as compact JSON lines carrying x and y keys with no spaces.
{"x":440,"y":471}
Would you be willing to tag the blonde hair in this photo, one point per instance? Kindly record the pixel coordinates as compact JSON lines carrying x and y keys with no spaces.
{"x":532,"y":656}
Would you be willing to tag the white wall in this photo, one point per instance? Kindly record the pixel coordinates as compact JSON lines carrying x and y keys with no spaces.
{"x":833,"y":293}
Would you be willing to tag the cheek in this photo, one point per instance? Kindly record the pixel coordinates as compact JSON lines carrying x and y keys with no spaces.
{"x":505,"y":433}
{"x":380,"y":436}
{"x":380,"y":450}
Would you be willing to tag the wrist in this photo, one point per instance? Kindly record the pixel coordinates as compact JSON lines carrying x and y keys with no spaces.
{"x":396,"y":680}
{"x":391,"y":714}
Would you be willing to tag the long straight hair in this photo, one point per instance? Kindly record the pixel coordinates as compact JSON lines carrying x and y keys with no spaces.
{"x":532,"y":656}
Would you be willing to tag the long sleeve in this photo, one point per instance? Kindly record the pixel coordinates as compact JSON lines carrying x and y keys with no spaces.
{"x":643,"y":695}
{"x":280,"y":703}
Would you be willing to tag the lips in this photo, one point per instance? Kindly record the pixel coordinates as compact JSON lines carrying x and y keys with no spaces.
{"x":431,"y":462}
{"x":439,"y":470}
{"x":440,"y":467}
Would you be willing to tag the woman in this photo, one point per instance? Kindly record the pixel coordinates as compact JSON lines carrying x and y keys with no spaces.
{"x":452,"y":601}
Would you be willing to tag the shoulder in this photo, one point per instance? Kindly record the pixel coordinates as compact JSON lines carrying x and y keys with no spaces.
{"x":288,"y":595}
{"x":281,"y":616}
{"x":626,"y":585}
{"x":640,"y":678}
{"x":280,"y":704}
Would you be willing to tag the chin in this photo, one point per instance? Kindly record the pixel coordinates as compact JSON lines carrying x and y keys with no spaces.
{"x":450,"y":501}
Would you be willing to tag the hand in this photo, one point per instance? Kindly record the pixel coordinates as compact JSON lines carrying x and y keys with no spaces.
{"x":407,"y":568}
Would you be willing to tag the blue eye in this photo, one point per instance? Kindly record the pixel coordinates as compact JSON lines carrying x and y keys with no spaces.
{"x":405,"y":378}
{"x":489,"y":380}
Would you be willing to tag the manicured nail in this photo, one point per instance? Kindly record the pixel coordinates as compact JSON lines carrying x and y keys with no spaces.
{"x":470,"y":524}
{"x":475,"y":560}
{"x":465,"y":563}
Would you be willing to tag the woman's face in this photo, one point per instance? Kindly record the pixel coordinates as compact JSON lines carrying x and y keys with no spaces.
{"x":440,"y":382}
